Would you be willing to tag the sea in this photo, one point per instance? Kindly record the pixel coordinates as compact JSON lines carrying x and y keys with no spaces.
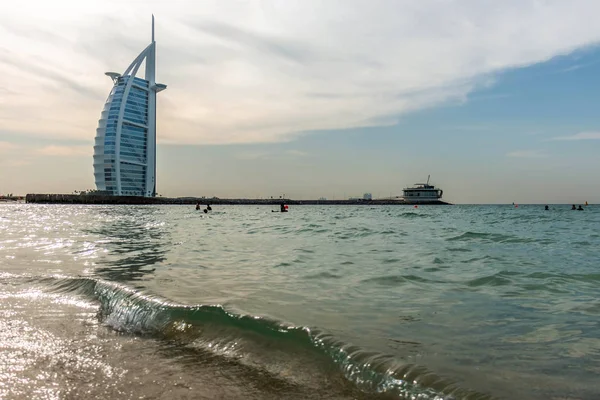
{"x":322,"y":302}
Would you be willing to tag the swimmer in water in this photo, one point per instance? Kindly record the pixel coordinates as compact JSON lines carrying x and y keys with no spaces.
{"x":205,"y":211}
{"x":573,"y":208}
{"x":197,"y":205}
{"x":208,"y":207}
{"x":546,"y":208}
{"x":580,"y":208}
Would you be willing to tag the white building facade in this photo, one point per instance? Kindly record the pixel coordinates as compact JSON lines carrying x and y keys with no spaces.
{"x":125,"y":144}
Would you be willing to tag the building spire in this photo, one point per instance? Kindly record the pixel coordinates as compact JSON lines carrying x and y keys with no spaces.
{"x":152,"y":28}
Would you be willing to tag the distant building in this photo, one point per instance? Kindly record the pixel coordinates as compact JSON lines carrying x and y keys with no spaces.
{"x":366,"y":197}
{"x":125,"y":145}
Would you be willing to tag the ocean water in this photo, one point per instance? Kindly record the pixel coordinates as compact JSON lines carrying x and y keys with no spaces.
{"x":324,"y":302}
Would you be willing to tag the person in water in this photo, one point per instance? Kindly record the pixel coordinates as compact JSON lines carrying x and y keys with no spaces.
{"x":282,"y":208}
{"x":208,"y":207}
{"x":580,"y":208}
{"x":197,"y":205}
{"x":546,"y":208}
{"x":205,"y":211}
{"x":573,"y":208}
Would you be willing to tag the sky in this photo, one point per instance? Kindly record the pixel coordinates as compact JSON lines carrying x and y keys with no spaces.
{"x":496,"y":100}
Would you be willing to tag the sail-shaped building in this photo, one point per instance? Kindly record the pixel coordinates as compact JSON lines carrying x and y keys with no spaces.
{"x":125,"y":145}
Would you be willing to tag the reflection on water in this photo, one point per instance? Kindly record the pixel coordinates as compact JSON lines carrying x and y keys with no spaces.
{"x":134,"y":240}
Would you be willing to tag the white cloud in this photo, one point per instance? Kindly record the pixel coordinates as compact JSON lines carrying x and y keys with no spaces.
{"x":580,"y":136}
{"x":572,"y":68}
{"x":475,"y":128}
{"x":6,"y":147}
{"x":578,"y":67}
{"x":252,"y":155}
{"x":270,"y":155}
{"x":265,"y":71}
{"x":527,"y":154}
{"x":65,"y":151}
{"x":20,"y":151}
{"x":296,"y":153}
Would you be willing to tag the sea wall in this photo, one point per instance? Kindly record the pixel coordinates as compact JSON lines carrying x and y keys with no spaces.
{"x":105,"y":199}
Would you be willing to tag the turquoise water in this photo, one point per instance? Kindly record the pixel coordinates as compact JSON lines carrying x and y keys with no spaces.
{"x":458,"y":302}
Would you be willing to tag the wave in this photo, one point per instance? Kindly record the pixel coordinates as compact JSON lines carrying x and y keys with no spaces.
{"x":394,"y":280}
{"x":490,"y":237}
{"x":535,"y":281}
{"x":257,"y":341}
{"x":491,"y":280}
{"x":323,"y":275}
{"x":590,"y":278}
{"x":411,"y":214}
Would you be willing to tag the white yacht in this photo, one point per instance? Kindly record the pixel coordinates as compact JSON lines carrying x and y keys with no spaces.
{"x":423,"y":193}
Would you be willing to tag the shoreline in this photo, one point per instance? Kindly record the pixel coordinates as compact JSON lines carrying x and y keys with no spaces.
{"x":136,"y":200}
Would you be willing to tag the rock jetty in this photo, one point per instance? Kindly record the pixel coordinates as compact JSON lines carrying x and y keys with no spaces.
{"x":105,"y":199}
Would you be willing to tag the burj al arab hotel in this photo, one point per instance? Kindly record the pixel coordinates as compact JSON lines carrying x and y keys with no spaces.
{"x":125,"y":146}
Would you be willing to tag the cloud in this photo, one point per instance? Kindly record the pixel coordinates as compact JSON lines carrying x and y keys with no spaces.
{"x":527,"y":154}
{"x":285,"y":49}
{"x":34,"y":67}
{"x":65,"y":151}
{"x":572,"y":68}
{"x":6,"y":147}
{"x":270,"y":155}
{"x":580,"y":136}
{"x":296,"y":153}
{"x":474,"y":127}
{"x":14,"y":155}
{"x":14,"y":162}
{"x":252,"y":155}
{"x":576,"y":67}
{"x":262,"y":71}
{"x":490,"y":97}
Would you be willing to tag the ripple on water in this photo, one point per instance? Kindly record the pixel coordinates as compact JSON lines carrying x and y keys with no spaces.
{"x":484,"y":258}
{"x":491,"y":280}
{"x":564,"y":277}
{"x":484,"y":237}
{"x":458,"y":249}
{"x":306,"y":251}
{"x":545,"y":334}
{"x":591,"y":308}
{"x":283,"y":264}
{"x":323,"y":275}
{"x":395,"y":280}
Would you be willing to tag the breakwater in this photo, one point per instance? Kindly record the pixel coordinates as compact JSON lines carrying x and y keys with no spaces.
{"x":105,"y":199}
